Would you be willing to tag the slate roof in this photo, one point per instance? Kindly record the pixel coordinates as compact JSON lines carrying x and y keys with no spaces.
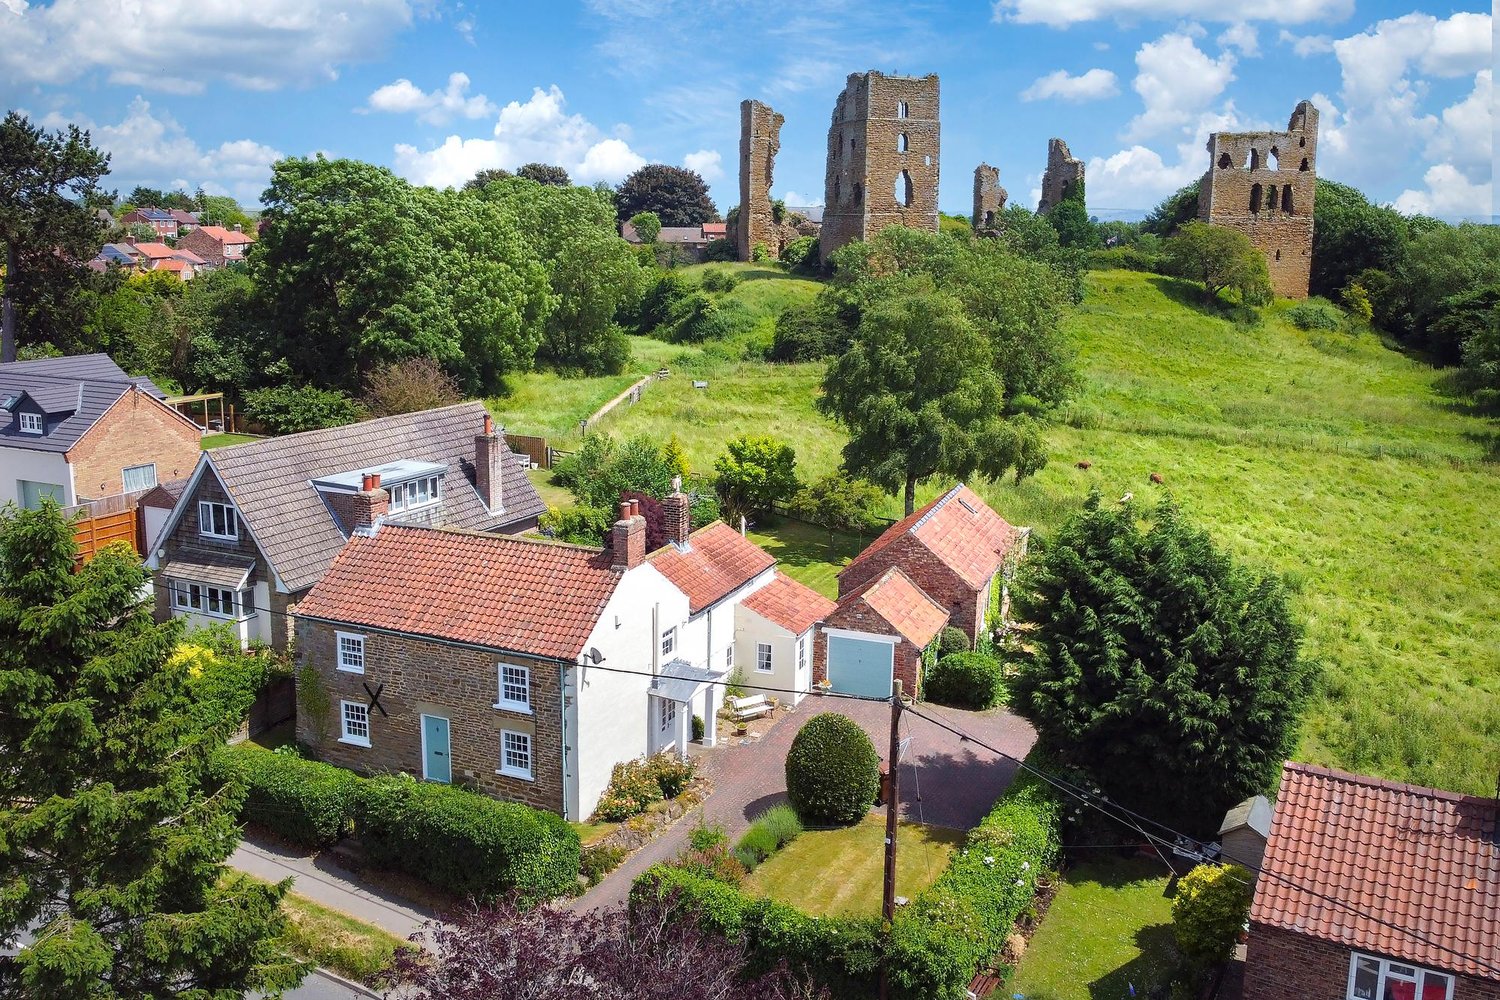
{"x":716,"y":561}
{"x":270,"y":482}
{"x":74,"y":391}
{"x":506,"y":593}
{"x":792,"y":605}
{"x":154,"y":214}
{"x":183,"y":217}
{"x":958,"y":528}
{"x":905,"y":607}
{"x":1424,"y":860}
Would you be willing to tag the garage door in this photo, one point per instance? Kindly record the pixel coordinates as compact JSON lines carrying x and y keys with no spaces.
{"x":860,"y":666}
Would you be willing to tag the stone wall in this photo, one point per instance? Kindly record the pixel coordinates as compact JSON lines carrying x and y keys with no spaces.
{"x":760,"y":140}
{"x":1281,"y":965}
{"x":883,"y":158}
{"x":989,"y":196}
{"x":1063,"y":171}
{"x":1263,"y":184}
{"x":136,"y":430}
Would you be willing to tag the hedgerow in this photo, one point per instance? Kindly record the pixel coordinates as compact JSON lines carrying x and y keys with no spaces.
{"x":304,"y":801}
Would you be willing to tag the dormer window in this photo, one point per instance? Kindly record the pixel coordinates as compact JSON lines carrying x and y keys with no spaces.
{"x":415,"y":493}
{"x":30,"y":423}
{"x":217,"y":520}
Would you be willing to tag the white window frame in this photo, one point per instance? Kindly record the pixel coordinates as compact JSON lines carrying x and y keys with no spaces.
{"x":346,"y":657}
{"x":526,"y":773}
{"x":29,"y":423}
{"x":764,"y":655}
{"x":360,"y":711}
{"x":201,"y":599}
{"x":729,"y":657}
{"x":801,"y":653}
{"x":669,"y":641}
{"x":519,"y":673}
{"x":125,"y":486}
{"x":408,"y":496}
{"x":1417,"y":976}
{"x":206,"y":510}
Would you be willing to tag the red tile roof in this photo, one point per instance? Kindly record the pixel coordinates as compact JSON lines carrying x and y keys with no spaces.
{"x":716,"y":561}
{"x":226,"y":235}
{"x":958,"y":528}
{"x":1426,"y":861}
{"x":171,"y":264}
{"x":787,"y":603}
{"x":502,"y":592}
{"x":715,"y":230}
{"x":154,"y":250}
{"x":904,"y":605}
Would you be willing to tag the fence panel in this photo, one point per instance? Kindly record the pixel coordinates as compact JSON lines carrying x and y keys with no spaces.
{"x":93,"y":533}
{"x":534,"y":448}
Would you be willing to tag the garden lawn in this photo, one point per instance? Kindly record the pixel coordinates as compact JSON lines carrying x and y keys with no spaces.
{"x":808,"y":554}
{"x":840,"y":871}
{"x":224,"y":440}
{"x":1109,"y":930}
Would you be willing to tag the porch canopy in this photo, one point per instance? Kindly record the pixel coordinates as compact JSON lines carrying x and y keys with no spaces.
{"x":681,"y":682}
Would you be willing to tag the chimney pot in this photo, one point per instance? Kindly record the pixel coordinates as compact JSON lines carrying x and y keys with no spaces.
{"x":489,"y":424}
{"x":625,"y":512}
{"x":629,"y":537}
{"x":370,"y":505}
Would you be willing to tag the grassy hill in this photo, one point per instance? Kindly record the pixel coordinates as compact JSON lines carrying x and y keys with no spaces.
{"x":1327,"y":458}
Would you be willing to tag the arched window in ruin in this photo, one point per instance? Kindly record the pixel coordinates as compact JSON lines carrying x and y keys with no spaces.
{"x":1255,"y":195}
{"x":902,"y":143}
{"x":927,"y":161}
{"x":1254,"y":158}
{"x":1275,"y":160}
{"x":1225,"y":162}
{"x":989,"y":219}
{"x":901,"y":109}
{"x":1302,"y":142}
{"x":1304,"y":166}
{"x":903,"y":189}
{"x":859,"y":194}
{"x":1271,"y":198}
{"x":1278,"y":254}
{"x":1286,"y":199}
{"x":837,"y":195}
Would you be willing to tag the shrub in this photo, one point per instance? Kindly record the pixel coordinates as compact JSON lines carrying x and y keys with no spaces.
{"x":632,"y":787}
{"x":757,"y":844}
{"x":966,"y":680}
{"x":1209,"y":911}
{"x":1315,"y":314}
{"x":409,"y":386}
{"x":466,"y":843}
{"x":801,"y":254}
{"x":715,"y":862}
{"x":721,"y":251}
{"x":761,"y":254}
{"x":647,"y":226}
{"x":783,"y":823}
{"x":581,"y":525}
{"x":952,"y":640}
{"x":599,"y":860}
{"x":698,"y":728}
{"x":807,"y":332}
{"x":832,"y":770}
{"x":840,"y":503}
{"x":671,"y":773}
{"x":718,"y":280}
{"x":304,"y":801}
{"x":288,"y":409}
{"x":707,"y":836}
{"x":1122,"y":258}
{"x":660,"y":301}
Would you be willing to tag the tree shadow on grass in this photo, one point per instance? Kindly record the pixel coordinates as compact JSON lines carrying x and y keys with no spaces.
{"x":1190,"y":295}
{"x":764,"y":274}
{"x":1145,"y":975}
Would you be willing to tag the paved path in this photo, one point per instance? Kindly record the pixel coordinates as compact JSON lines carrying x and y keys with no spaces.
{"x":957,"y":783}
{"x":323,"y":882}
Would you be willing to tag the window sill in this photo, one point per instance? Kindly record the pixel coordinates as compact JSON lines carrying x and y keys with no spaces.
{"x":350,"y":670}
{"x":218,"y":538}
{"x":513,"y":773}
{"x":511,"y":706}
{"x":351,"y":741}
{"x":770,"y":670}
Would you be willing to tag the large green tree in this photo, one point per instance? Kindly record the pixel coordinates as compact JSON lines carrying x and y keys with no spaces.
{"x":46,"y":228}
{"x":544,"y":173}
{"x":678,"y":196}
{"x":1219,"y":259}
{"x":113,"y":831}
{"x":1070,"y":217}
{"x":1350,"y":234}
{"x":1171,"y":675}
{"x":1177,"y":208}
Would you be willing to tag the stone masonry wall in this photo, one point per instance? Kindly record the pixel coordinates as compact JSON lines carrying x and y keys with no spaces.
{"x":136,"y":430}
{"x":857,"y":616}
{"x":760,"y":140}
{"x":1263,"y":184}
{"x":1281,"y":965}
{"x":883,"y":158}
{"x":989,"y":196}
{"x":1063,"y":171}
{"x":458,"y":683}
{"x":927,"y":571}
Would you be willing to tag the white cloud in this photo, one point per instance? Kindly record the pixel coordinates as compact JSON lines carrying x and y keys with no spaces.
{"x":1061,"y":13}
{"x":1377,"y":58}
{"x":796,"y":200}
{"x":707,"y":163}
{"x":151,"y":148}
{"x":539,"y":130}
{"x":1306,"y":45}
{"x":435,"y":108}
{"x":1090,"y":86}
{"x":1449,"y":194}
{"x":1139,"y":176}
{"x":1240,"y":36}
{"x":1466,"y":137}
{"x":178,"y":46}
{"x":1177,"y":82}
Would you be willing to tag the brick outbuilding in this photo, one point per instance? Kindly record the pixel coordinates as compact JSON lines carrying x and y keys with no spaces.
{"x":878,"y":632}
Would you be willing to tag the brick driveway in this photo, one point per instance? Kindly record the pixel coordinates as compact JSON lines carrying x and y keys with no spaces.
{"x":958,"y":782}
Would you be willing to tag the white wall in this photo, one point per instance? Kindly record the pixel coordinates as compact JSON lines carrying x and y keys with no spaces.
{"x":752,"y":630}
{"x":36,"y":466}
{"x":153,"y":519}
{"x":705,"y":639}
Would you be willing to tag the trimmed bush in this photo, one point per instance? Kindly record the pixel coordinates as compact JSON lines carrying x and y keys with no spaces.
{"x":832,"y":770}
{"x":303,"y":801}
{"x":952,"y":640}
{"x":466,"y":843}
{"x":966,"y":680}
{"x":758,"y":844}
{"x":783,"y":823}
{"x":1315,"y":314}
{"x":1208,"y":912}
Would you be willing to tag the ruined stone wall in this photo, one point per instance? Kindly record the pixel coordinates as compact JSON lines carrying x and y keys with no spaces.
{"x":989,"y":196}
{"x":760,"y":140}
{"x":883,"y":145}
{"x":1263,"y":184}
{"x":1063,"y":171}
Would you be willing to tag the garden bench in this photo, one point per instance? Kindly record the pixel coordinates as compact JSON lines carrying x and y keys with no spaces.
{"x":749,"y":707}
{"x":983,"y":984}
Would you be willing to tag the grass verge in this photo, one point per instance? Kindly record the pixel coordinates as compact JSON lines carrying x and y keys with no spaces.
{"x":335,"y":940}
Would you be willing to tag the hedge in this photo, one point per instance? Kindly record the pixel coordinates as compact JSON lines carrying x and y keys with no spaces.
{"x":832,"y":770}
{"x":465,"y":842}
{"x":304,"y":801}
{"x":965,"y":680}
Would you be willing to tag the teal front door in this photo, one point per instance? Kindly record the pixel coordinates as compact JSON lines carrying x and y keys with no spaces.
{"x":437,"y":764}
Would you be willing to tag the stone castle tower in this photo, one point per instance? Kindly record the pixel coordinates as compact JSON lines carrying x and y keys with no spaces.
{"x":1063,"y":171}
{"x":1263,"y":184}
{"x":989,"y":196}
{"x":760,"y":139}
{"x":882,"y":158}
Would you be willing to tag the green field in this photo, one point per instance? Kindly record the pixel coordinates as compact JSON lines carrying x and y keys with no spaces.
{"x":1325,"y":457}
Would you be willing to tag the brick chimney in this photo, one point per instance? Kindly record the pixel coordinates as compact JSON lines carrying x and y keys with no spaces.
{"x":489,"y":467}
{"x":629,"y":536}
{"x":370,"y":505}
{"x":678,"y":510}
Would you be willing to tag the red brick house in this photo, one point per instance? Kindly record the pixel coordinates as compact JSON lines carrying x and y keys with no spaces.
{"x":216,"y":245}
{"x":161,"y":220}
{"x":1372,"y":890}
{"x":878,"y":632}
{"x":956,"y":549}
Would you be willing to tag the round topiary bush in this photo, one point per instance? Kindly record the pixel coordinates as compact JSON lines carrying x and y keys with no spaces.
{"x":953,"y":640}
{"x":832,"y":770}
{"x":965,"y":680}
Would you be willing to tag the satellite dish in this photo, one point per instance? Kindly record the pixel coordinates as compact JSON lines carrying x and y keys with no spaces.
{"x":594,"y":656}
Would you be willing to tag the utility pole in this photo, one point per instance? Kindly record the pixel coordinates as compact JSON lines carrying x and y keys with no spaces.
{"x":892,"y":808}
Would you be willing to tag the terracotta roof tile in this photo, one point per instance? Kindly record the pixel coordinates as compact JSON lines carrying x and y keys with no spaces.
{"x":904,"y":605}
{"x":716,"y":561}
{"x":958,"y":528}
{"x":517,"y":594}
{"x":785,"y":602}
{"x":154,"y":251}
{"x":1424,"y":860}
{"x":225,"y":235}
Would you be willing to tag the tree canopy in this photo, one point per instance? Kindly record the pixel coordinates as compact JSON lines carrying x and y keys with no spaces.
{"x":678,"y":196}
{"x":1219,"y":258}
{"x":1070,"y":217}
{"x":544,"y":173}
{"x":1177,"y":208}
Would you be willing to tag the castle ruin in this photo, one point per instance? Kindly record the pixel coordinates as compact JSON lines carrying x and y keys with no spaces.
{"x":760,"y":140}
{"x":989,"y":196}
{"x":882,"y":158}
{"x":1262,"y":184}
{"x":1063,"y":171}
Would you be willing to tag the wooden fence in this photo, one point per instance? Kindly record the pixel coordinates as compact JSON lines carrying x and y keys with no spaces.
{"x":534,"y":448}
{"x":93,"y":533}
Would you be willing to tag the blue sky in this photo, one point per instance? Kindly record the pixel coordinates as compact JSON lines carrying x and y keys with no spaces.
{"x":211,"y":92}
